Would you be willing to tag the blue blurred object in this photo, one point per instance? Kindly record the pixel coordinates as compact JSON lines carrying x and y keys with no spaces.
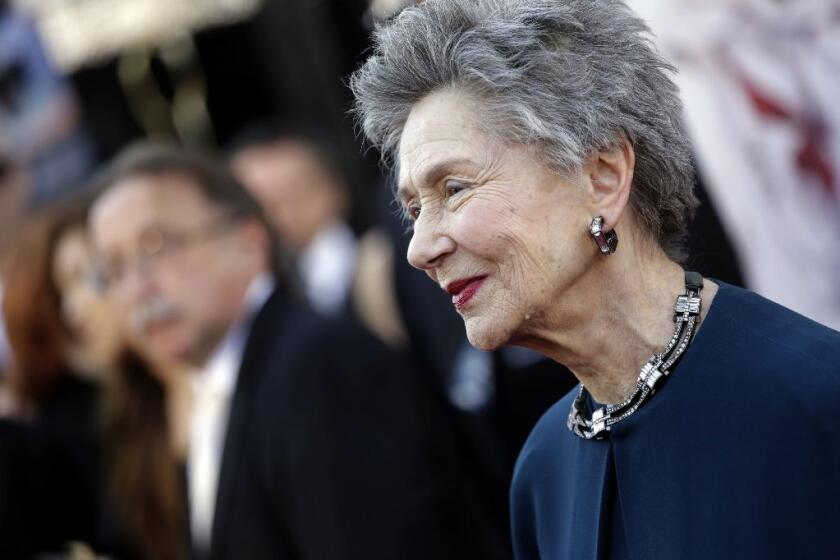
{"x":40,"y":127}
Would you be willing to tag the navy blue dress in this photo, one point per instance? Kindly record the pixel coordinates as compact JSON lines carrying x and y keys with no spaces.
{"x":737,"y":456}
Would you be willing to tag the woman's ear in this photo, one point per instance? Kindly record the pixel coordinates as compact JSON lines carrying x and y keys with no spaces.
{"x":610,"y":174}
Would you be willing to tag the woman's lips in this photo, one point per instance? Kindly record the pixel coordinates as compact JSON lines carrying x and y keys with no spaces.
{"x":463,"y":290}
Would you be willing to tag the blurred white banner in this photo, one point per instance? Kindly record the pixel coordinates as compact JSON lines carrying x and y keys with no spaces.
{"x":79,"y":32}
{"x":760,"y":80}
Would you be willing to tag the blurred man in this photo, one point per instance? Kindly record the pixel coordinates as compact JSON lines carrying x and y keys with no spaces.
{"x":301,"y":187}
{"x":309,"y":439}
{"x":188,"y":257}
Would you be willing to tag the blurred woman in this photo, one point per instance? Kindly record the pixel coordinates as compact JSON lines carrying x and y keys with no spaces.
{"x":66,"y":344}
{"x":58,"y":352}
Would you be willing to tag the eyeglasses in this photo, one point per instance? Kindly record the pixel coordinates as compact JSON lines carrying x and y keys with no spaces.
{"x":155,"y":246}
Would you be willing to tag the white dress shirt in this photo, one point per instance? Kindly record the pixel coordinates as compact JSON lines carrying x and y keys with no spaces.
{"x":213,"y":389}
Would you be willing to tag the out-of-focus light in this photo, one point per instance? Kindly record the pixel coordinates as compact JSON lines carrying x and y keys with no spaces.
{"x":80,"y":32}
{"x":383,"y":9}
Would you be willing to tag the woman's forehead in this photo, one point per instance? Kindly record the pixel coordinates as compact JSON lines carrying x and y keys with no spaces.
{"x":441,"y":135}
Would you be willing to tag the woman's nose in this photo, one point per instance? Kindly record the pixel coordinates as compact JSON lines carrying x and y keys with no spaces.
{"x":429,"y":245}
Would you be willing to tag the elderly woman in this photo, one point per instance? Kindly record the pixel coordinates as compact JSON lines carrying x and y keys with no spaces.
{"x":543,"y":163}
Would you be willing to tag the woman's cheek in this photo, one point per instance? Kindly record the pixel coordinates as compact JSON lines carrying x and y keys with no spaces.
{"x":485,"y":227}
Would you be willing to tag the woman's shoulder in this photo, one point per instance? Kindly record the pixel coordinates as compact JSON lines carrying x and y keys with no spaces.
{"x":774,"y":331}
{"x":755,"y":342}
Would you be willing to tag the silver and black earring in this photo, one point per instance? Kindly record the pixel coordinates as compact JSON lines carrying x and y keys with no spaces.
{"x":606,"y":241}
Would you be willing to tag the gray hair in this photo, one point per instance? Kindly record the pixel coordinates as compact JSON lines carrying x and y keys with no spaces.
{"x":565,"y":76}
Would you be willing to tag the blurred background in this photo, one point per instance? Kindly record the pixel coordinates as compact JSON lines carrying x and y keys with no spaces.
{"x":260,"y":85}
{"x":81,"y":79}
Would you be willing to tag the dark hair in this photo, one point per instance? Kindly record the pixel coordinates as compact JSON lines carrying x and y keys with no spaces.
{"x":32,"y":304}
{"x":212,"y":179}
{"x":145,"y":488}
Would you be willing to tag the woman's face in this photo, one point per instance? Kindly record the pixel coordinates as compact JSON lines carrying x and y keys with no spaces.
{"x":88,"y":315}
{"x":493,"y":226}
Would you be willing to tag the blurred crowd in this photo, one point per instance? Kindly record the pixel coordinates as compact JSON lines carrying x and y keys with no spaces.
{"x":211,"y":344}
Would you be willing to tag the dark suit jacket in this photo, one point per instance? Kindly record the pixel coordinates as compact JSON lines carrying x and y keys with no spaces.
{"x":335,"y":450}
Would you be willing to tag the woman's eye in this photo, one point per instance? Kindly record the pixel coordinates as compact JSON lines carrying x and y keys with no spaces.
{"x":451,"y":188}
{"x":412,"y":210}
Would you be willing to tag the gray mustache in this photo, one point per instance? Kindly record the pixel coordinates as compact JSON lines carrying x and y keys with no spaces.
{"x":157,"y":309}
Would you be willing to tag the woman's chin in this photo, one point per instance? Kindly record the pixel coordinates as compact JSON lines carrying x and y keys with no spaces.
{"x":486,"y":335}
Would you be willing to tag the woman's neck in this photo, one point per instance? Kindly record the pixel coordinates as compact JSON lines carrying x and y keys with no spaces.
{"x":613,"y":319}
